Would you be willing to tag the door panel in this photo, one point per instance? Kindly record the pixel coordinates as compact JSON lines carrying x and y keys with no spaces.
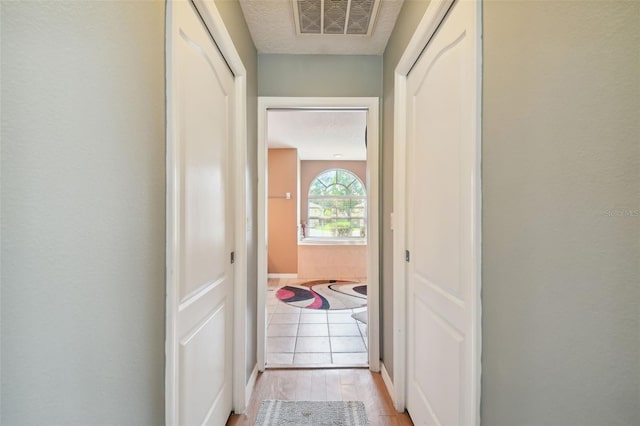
{"x":203,"y":223}
{"x":204,"y":388}
{"x":444,"y":397}
{"x":441,"y":159}
{"x":203,"y":174}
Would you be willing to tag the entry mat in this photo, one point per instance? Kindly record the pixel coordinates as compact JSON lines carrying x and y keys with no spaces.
{"x":311,"y":413}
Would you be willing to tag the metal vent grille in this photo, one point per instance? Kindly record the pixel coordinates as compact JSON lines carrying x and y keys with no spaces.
{"x":335,"y":15}
{"x":349,"y":17}
{"x":360,"y":16}
{"x":309,"y":16}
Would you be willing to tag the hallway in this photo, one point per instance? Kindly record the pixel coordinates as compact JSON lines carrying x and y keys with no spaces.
{"x":324,"y":385}
{"x":87,"y":134}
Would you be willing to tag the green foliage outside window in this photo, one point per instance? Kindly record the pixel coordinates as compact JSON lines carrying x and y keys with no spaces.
{"x":337,"y":206}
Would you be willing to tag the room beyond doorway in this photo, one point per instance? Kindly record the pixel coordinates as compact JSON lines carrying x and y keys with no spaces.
{"x":316,"y":237}
{"x":322,"y":222}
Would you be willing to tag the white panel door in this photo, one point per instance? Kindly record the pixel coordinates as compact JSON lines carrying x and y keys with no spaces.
{"x":441,"y":201}
{"x":202,"y":275}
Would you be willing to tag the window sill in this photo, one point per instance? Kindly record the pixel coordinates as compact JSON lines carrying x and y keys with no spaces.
{"x":330,"y":242}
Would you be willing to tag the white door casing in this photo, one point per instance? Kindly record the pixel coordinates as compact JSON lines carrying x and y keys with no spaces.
{"x":442,"y":234}
{"x":364,"y":103}
{"x":200,"y":224}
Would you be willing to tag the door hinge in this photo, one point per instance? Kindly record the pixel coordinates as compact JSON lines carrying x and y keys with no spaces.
{"x":407,"y":256}
{"x":233,"y":257}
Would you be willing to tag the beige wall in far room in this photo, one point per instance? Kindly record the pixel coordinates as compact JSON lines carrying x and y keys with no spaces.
{"x":282,"y":257}
{"x":332,"y":261}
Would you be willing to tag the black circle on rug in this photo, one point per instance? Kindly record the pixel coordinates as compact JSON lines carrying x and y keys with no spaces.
{"x":324,"y":294}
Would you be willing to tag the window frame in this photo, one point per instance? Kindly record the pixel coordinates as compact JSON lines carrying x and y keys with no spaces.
{"x":335,"y":217}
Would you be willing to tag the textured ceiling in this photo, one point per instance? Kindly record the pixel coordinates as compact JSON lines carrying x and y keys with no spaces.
{"x":318,"y":135}
{"x":273,"y":29}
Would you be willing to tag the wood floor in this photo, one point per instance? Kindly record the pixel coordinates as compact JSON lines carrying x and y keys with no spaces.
{"x":324,"y":385}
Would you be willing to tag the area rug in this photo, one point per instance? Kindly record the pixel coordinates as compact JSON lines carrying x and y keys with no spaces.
{"x":312,"y":413}
{"x":325,"y":294}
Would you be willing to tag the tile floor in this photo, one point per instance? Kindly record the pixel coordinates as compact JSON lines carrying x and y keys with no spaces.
{"x":298,"y":337}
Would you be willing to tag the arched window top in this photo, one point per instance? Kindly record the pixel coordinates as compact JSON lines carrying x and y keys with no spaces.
{"x":337,"y":183}
{"x":337,"y":206}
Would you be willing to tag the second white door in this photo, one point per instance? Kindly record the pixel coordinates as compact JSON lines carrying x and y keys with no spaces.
{"x":201,"y":223}
{"x":442,"y":212}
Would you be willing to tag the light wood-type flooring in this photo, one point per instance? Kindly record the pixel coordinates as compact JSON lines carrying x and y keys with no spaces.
{"x":324,"y":385}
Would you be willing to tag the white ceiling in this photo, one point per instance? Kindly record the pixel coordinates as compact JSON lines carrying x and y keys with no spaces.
{"x":319,"y":135}
{"x":272,"y":27}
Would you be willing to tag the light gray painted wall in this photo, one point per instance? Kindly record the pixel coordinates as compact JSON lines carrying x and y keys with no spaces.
{"x":236,"y":25}
{"x":561,"y":154}
{"x":408,"y":20}
{"x":319,"y":75}
{"x":83,"y":204}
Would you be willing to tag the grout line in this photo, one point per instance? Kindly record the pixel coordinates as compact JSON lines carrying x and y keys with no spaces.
{"x":330,"y":345}
{"x":295,"y":346}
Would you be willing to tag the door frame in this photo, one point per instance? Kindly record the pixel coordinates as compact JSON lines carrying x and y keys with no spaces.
{"x":373,"y":270}
{"x":434,"y":15}
{"x":221,"y":37}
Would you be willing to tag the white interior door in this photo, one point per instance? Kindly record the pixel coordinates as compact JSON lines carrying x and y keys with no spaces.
{"x":200,"y":299}
{"x":442,"y":274}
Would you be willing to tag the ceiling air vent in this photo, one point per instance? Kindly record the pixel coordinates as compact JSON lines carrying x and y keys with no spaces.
{"x":345,"y":17}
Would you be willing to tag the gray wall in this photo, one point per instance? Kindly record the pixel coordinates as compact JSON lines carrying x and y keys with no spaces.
{"x":83,"y":172}
{"x":408,"y":20}
{"x":319,"y":75}
{"x":237,"y":27}
{"x":561,"y":213}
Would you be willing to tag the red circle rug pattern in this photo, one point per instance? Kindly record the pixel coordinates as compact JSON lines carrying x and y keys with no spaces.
{"x":325,"y":294}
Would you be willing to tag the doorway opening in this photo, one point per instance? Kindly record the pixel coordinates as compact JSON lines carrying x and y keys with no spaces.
{"x":318,"y":233}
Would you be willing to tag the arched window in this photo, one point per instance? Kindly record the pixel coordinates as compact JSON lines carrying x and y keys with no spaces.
{"x":337,"y":206}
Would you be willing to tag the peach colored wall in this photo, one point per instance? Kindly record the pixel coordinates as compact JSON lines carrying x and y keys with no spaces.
{"x":332,"y":261}
{"x":309,"y":169}
{"x":282,"y":256}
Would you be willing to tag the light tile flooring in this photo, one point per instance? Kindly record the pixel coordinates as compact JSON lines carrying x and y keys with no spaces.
{"x":298,"y":337}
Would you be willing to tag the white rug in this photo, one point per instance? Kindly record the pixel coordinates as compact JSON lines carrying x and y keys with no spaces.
{"x":311,"y":413}
{"x":360,"y":316}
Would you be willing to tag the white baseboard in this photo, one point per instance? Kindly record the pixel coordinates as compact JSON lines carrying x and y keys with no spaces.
{"x":387,"y":381}
{"x":250,"y":385}
{"x":282,"y":275}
